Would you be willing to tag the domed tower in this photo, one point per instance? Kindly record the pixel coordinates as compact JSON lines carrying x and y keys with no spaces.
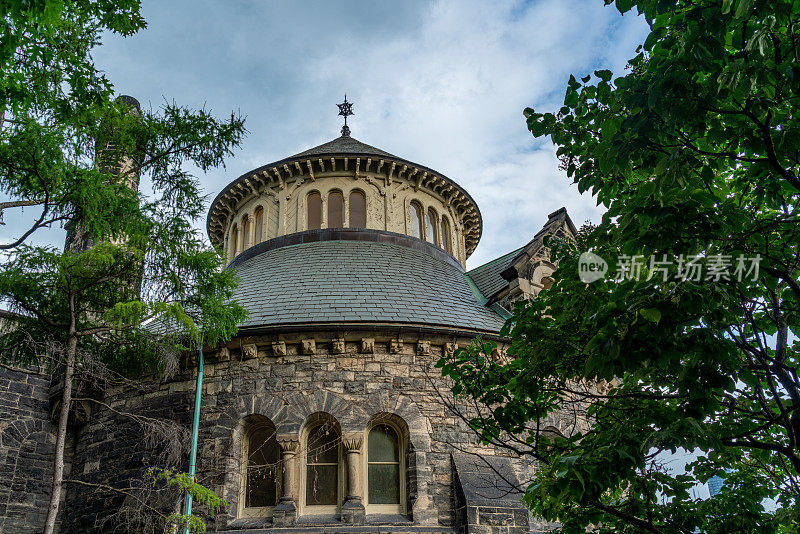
{"x":327,"y":408}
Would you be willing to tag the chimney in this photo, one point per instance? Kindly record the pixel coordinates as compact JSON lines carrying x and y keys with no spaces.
{"x":108,"y":160}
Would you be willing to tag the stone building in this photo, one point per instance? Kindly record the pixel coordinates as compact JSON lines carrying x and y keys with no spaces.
{"x":326,"y":412}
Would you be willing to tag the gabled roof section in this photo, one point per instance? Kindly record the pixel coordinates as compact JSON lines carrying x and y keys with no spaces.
{"x":556,"y":221}
{"x":491,"y":278}
{"x":343,"y":145}
{"x":487,"y":277}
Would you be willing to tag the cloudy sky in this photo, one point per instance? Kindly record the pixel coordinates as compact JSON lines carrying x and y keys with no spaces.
{"x":442,"y":83}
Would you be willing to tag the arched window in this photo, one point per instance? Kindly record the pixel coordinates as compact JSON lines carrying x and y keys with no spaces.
{"x":384,"y":480}
{"x":259,"y":222}
{"x":432,"y":229}
{"x":358,"y":210}
{"x":446,"y":243}
{"x":416,"y":220}
{"x":245,"y":233}
{"x":314,"y":216}
{"x":335,"y":209}
{"x":234,"y":240}
{"x":262,"y":478}
{"x":322,"y":466}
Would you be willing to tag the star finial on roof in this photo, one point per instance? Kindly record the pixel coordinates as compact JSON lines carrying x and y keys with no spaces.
{"x":345,"y":109}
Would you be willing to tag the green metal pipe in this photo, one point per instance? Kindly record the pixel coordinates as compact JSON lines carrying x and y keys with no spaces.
{"x":198,"y":395}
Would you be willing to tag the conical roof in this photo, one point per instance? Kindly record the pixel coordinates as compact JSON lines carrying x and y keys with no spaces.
{"x":343,"y":145}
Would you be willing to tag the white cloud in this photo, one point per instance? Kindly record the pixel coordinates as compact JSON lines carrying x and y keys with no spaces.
{"x":441,"y":83}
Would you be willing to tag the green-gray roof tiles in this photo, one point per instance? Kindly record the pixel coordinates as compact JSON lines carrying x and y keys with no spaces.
{"x":487,"y":277}
{"x":358,"y":282}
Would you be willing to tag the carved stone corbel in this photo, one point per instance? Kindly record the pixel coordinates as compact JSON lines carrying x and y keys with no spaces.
{"x":424,"y":348}
{"x":367,"y":345}
{"x":249,"y":351}
{"x":279,"y":348}
{"x":308,"y":346}
{"x":337,"y":346}
{"x":223,"y":354}
{"x":396,"y":346}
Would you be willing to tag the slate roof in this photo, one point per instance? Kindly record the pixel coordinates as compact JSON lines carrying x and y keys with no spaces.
{"x":344,"y":145}
{"x":487,"y":480}
{"x":358,"y":282}
{"x":487,"y":277}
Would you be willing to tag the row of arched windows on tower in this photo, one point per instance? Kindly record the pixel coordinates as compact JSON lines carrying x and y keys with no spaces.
{"x":240,"y":242}
{"x":356,"y":212}
{"x":426,"y":225}
{"x":432,"y":228}
{"x":323,"y":472}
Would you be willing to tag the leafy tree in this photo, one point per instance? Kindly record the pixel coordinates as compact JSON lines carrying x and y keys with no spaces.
{"x":694,"y":154}
{"x":136,"y":283}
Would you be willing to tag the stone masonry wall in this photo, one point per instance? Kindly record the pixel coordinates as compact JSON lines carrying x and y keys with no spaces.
{"x":353,"y":375}
{"x":27,"y":444}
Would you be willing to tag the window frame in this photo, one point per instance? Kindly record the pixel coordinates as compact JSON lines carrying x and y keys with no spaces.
{"x":308,"y":209}
{"x":256,"y":511}
{"x":233,"y":240}
{"x":432,"y":220}
{"x":402,"y":450}
{"x":246,"y":226}
{"x":340,"y":193}
{"x":258,"y":222}
{"x":349,"y":206}
{"x":446,"y":235}
{"x":416,"y":206}
{"x":341,"y":474}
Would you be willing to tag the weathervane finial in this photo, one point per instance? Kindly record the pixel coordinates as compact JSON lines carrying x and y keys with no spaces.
{"x":345,"y":109}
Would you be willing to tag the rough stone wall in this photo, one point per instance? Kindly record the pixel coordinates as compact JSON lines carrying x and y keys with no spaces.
{"x":27,"y":444}
{"x":113,"y":451}
{"x":286,"y":378}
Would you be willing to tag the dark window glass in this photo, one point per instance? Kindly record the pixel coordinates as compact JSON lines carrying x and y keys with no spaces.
{"x":322,"y":466}
{"x":446,"y":243}
{"x":259,"y":226}
{"x":431,"y":229}
{"x":384,"y":484}
{"x":314,"y":217}
{"x":246,"y":233}
{"x":382,"y":446}
{"x":383,"y":469}
{"x":335,"y":209}
{"x":358,"y":210}
{"x":321,"y":481}
{"x":263,"y":453}
{"x":234,"y":239}
{"x":416,"y":220}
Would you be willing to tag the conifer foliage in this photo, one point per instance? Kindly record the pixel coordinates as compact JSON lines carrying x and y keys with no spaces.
{"x":137,"y":283}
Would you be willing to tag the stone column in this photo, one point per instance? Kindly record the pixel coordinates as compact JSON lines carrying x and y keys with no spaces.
{"x":285,"y":513}
{"x":353,"y":511}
